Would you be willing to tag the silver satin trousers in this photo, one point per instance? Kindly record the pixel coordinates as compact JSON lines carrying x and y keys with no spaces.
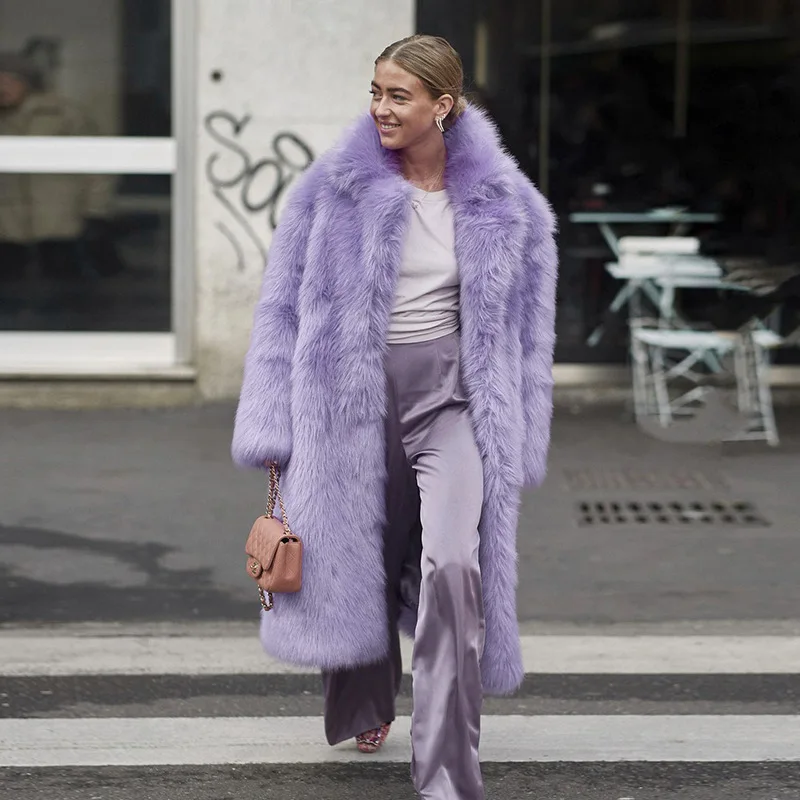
{"x":435,"y":476}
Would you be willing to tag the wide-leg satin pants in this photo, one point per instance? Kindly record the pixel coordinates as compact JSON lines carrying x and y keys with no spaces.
{"x":434,"y":467}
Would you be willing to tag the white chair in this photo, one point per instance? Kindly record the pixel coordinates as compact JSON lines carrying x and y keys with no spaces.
{"x":645,"y":259}
{"x":667,"y":388}
{"x":668,"y":284}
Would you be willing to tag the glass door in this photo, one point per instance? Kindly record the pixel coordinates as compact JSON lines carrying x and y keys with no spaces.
{"x":87,"y":161}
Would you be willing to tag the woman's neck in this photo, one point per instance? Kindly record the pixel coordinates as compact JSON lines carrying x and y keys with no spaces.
{"x":423,"y":164}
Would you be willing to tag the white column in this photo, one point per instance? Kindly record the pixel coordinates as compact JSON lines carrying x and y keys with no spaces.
{"x":277,"y":79}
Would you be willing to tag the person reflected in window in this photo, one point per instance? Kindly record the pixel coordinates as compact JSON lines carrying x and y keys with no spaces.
{"x":55,"y":225}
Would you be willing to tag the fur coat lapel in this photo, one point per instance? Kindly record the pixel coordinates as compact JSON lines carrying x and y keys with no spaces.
{"x":313,"y":396}
{"x":488,"y":209}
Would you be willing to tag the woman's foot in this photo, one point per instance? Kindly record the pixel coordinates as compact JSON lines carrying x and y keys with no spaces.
{"x":371,"y":741}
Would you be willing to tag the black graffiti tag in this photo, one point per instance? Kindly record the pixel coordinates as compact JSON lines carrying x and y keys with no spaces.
{"x":248,"y":186}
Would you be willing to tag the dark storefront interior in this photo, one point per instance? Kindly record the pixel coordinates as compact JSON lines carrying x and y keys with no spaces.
{"x":83,"y":252}
{"x":637,"y":105}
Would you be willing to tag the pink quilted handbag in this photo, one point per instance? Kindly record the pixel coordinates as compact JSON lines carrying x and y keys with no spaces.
{"x":274,"y":553}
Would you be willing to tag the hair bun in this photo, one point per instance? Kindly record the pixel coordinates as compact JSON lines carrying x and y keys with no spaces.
{"x":438,"y":66}
{"x":459,"y":107}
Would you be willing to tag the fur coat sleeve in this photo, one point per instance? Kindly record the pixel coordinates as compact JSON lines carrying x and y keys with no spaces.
{"x":263,"y":427}
{"x":538,"y":335}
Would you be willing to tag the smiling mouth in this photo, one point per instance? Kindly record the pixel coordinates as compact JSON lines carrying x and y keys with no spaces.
{"x":385,"y":126}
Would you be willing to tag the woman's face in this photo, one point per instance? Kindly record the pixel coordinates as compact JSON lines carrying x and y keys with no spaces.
{"x":12,"y":90}
{"x":403,"y":110}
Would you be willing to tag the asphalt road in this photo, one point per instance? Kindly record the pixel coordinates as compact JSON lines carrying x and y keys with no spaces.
{"x":145,"y":516}
{"x":128,"y":526}
{"x":390,"y":782}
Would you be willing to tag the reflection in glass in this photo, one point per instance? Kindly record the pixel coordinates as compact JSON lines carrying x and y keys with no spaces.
{"x":85,"y":253}
{"x":86,"y":67}
{"x":638,"y":105}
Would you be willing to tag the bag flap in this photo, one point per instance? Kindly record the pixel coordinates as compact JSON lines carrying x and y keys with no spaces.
{"x":262,"y":543}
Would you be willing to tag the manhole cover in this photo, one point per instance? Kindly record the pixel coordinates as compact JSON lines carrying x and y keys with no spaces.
{"x":625,"y":480}
{"x":737,"y":513}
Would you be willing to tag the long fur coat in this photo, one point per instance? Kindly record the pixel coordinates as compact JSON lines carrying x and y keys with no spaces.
{"x":314,"y":398}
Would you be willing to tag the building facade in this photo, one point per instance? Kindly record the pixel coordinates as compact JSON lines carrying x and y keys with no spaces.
{"x":147,"y":146}
{"x":636,"y":109}
{"x":143,"y":166}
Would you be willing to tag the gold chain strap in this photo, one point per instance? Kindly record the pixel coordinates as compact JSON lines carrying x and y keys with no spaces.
{"x":275,"y":492}
{"x":266,"y":605}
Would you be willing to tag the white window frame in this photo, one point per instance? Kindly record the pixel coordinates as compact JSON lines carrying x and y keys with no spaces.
{"x":64,"y":354}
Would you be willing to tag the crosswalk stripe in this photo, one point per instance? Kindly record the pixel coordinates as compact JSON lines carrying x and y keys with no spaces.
{"x":36,"y":655}
{"x":229,"y":740}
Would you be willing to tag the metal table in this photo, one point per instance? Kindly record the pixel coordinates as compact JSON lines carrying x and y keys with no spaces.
{"x":676,"y":217}
{"x":667,"y":216}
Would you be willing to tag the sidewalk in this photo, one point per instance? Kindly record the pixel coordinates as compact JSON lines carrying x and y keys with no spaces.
{"x":139,"y":517}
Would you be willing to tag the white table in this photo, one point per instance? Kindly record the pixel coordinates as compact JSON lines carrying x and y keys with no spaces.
{"x":678,"y":218}
{"x":667,"y":216}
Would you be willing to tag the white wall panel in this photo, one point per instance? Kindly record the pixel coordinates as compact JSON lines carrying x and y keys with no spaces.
{"x":271,"y":73}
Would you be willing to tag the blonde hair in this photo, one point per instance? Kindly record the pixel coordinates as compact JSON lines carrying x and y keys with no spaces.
{"x":438,"y":66}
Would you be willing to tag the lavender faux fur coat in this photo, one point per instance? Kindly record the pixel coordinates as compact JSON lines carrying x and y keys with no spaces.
{"x":314,"y":394}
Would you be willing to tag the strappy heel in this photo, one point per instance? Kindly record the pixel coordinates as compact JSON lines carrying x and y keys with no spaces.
{"x":372,"y":740}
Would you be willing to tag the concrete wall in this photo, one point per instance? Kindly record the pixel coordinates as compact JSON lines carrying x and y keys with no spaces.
{"x":277,"y":82}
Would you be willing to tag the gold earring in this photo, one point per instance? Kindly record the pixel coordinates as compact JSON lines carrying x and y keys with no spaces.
{"x":440,"y":124}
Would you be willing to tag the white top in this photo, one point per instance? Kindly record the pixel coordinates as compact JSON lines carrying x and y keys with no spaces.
{"x":426,"y":301}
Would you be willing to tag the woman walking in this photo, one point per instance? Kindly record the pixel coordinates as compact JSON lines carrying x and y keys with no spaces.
{"x":400,"y":376}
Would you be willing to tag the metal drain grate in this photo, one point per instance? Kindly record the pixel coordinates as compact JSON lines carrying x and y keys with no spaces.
{"x":736,"y":513}
{"x":625,"y":480}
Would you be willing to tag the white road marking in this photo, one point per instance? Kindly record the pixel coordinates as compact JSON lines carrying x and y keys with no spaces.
{"x":225,"y":740}
{"x":33,"y":654}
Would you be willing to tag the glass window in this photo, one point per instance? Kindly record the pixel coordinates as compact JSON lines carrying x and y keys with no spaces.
{"x":640,"y":105}
{"x":85,"y":253}
{"x":82,"y":251}
{"x":86,"y":67}
{"x":740,"y":153}
{"x":610,"y":147}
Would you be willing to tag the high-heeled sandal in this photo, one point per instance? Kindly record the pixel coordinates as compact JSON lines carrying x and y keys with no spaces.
{"x":372,"y":740}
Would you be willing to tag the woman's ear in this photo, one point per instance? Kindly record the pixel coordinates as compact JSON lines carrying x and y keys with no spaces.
{"x":444,"y":105}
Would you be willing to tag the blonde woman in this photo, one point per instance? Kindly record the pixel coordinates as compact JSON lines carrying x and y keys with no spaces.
{"x":400,"y":375}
